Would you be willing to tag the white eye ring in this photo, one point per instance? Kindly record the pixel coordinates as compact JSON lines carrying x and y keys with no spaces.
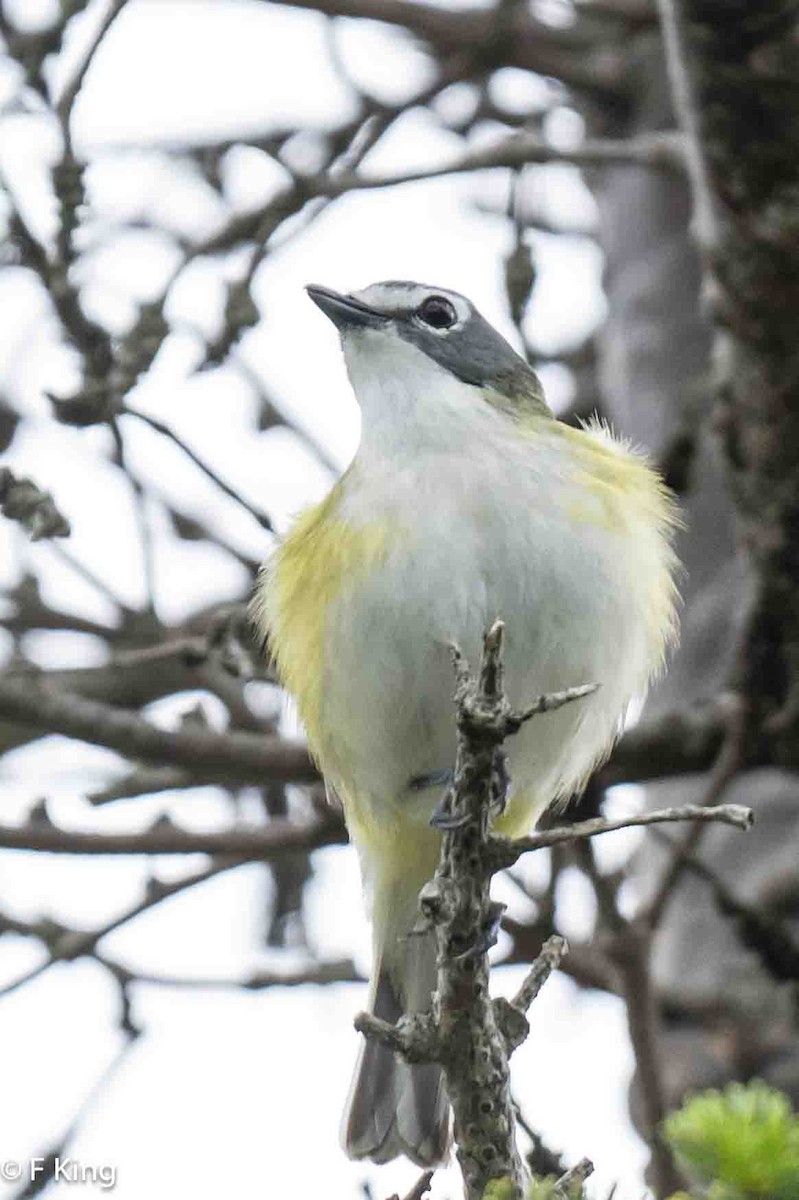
{"x":437,"y":313}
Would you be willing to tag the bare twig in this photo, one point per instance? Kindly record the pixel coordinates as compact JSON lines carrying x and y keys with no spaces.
{"x":339,"y":971}
{"x":508,"y":850}
{"x":658,"y":151}
{"x":630,"y":951}
{"x":419,"y":1189}
{"x":71,"y":90}
{"x":569,"y":52}
{"x":141,"y":781}
{"x":586,"y":964}
{"x":627,"y":944}
{"x":72,"y":944}
{"x":551,"y":954}
{"x":251,"y":843}
{"x":727,"y":765}
{"x":161,"y":427}
{"x":89,"y":576}
{"x":89,"y":338}
{"x":142,"y":519}
{"x":760,"y":930}
{"x":672,"y":23}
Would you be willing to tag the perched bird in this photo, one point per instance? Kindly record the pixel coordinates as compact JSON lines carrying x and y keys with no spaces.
{"x":466,"y":501}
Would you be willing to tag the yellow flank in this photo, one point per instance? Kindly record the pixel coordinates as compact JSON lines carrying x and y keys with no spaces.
{"x":620,"y":493}
{"x":621,"y":488}
{"x":407,"y":846}
{"x":321,"y":556}
{"x":624,"y":494}
{"x":406,"y":850}
{"x":518,"y":818}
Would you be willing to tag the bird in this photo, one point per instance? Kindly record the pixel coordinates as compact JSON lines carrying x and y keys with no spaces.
{"x":467,"y":501}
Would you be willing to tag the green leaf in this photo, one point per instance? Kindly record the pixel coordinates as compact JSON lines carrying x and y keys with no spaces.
{"x":739,"y":1144}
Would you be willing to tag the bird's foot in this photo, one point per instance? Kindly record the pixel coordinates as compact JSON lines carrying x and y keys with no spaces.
{"x":488,"y":935}
{"x":444,"y":819}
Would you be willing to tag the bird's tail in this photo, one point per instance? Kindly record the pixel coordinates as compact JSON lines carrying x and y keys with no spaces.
{"x":396,"y":1107}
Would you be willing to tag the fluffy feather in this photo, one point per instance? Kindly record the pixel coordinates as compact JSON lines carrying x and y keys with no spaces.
{"x":457,"y":511}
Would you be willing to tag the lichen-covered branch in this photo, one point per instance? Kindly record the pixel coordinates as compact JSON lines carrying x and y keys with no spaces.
{"x":468,"y":1032}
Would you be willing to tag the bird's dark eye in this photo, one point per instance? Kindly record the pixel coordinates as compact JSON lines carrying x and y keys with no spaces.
{"x":437,"y":312}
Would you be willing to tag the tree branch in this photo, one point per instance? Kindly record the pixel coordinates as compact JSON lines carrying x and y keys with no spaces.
{"x":508,"y":851}
{"x":71,"y":944}
{"x":680,"y":743}
{"x":660,"y":151}
{"x":321,"y":973}
{"x":277,"y":838}
{"x":567,"y":53}
{"x":72,"y":88}
{"x":468,"y":1033}
{"x":471,"y":1035}
{"x":225,"y":758}
{"x":263,"y":519}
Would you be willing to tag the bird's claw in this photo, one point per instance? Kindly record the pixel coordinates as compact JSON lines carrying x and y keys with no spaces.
{"x":488,"y":935}
{"x":445,"y":820}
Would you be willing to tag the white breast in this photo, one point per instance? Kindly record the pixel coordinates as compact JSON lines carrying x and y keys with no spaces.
{"x":479,"y":531}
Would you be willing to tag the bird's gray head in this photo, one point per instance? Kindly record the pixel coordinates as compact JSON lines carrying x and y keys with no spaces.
{"x":441,"y":324}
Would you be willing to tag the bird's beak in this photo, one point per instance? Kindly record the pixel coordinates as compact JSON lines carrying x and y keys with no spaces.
{"x":344,"y":311}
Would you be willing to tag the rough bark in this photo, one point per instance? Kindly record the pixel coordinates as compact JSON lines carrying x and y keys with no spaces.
{"x":655,"y":362}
